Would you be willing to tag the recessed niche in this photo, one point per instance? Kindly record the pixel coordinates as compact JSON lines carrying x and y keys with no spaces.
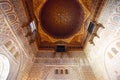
{"x":61,"y":71}
{"x":66,"y":71}
{"x":8,"y":44}
{"x":56,"y":71}
{"x":114,"y":50}
{"x":118,"y":44}
{"x":110,"y":55}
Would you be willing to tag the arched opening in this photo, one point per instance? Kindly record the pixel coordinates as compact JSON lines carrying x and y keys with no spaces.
{"x":4,"y":67}
{"x":112,"y":60}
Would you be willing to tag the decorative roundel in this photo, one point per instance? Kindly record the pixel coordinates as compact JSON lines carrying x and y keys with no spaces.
{"x":61,"y":18}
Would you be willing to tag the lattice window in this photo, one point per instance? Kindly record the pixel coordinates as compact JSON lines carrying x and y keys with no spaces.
{"x":114,"y":50}
{"x":56,"y":71}
{"x":66,"y":71}
{"x":61,"y":71}
{"x":32,"y":26}
{"x":8,"y":44}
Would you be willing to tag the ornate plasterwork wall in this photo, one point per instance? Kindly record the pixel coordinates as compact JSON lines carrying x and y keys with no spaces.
{"x":104,"y":55}
{"x":12,"y":39}
{"x":78,"y":68}
{"x":19,"y":6}
{"x":14,"y":45}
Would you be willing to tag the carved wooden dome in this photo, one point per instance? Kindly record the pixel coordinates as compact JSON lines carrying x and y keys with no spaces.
{"x":61,"y":18}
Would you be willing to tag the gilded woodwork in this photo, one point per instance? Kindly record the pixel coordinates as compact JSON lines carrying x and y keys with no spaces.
{"x":90,"y":9}
{"x":61,"y":19}
{"x":44,"y":37}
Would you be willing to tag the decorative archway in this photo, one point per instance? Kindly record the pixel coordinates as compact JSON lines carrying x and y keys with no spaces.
{"x":4,"y":67}
{"x":112,"y":52}
{"x":112,"y":60}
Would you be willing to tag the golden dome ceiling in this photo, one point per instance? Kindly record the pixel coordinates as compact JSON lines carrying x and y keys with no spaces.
{"x":61,"y":21}
{"x":61,"y":18}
